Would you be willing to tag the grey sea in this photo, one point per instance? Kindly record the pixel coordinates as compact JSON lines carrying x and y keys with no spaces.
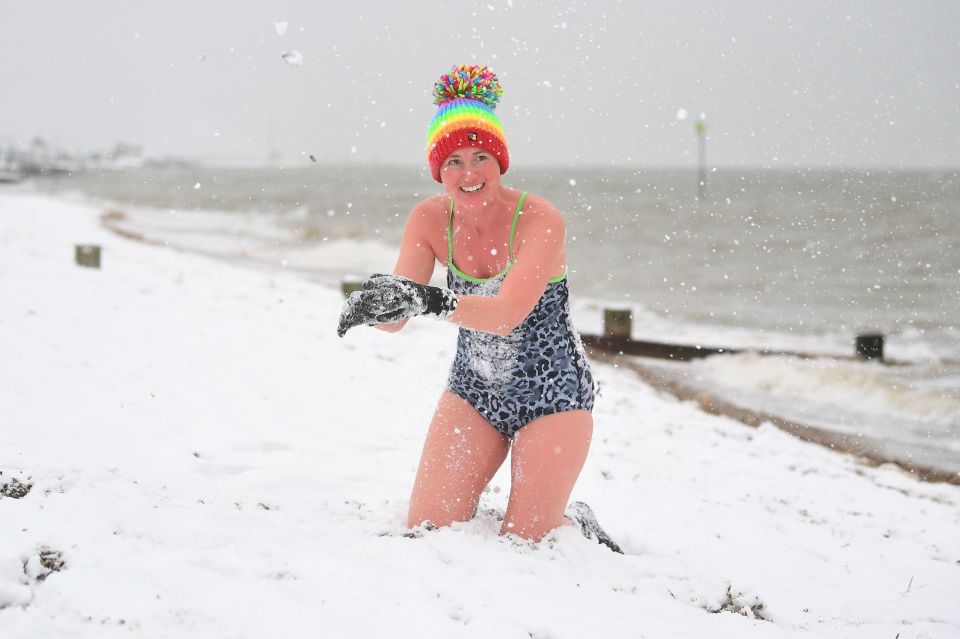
{"x":793,"y":259}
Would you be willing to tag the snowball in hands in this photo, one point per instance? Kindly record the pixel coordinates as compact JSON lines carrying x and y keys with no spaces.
{"x":392,"y":298}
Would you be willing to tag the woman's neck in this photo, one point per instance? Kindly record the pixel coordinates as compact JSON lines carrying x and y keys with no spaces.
{"x":490,"y":216}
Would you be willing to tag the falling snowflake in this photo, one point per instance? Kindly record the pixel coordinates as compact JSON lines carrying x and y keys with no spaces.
{"x":293,"y":58}
{"x":281,"y":27}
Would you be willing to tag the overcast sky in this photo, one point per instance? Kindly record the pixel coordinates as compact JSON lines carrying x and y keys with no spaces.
{"x":838,"y":83}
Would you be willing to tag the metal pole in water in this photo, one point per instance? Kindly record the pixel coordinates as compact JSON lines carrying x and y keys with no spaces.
{"x":700,"y":126}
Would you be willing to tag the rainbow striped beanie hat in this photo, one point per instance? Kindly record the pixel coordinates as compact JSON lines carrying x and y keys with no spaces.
{"x":465,"y":99}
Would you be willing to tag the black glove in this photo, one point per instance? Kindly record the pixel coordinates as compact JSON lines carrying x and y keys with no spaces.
{"x":390,"y":298}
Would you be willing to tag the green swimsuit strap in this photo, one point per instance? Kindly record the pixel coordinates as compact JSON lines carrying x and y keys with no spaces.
{"x":450,"y":235}
{"x":513,"y":227}
{"x":516,"y":216}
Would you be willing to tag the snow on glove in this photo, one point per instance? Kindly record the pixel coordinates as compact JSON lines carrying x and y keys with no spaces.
{"x":390,"y":298}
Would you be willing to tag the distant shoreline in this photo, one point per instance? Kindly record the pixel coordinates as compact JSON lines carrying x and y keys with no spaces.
{"x":189,"y":163}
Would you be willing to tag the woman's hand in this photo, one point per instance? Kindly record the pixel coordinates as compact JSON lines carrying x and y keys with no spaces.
{"x":387,"y":299}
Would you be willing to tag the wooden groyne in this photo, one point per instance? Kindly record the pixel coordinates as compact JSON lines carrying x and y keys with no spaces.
{"x":616,"y":338}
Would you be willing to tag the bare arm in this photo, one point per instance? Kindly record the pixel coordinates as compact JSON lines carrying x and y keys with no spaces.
{"x":539,"y":256}
{"x":417,"y":258}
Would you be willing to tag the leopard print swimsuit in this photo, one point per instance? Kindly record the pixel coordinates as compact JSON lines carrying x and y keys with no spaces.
{"x":538,"y":369}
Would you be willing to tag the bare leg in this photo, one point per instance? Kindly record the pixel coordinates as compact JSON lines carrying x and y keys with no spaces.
{"x":461,"y":455}
{"x":548,"y":455}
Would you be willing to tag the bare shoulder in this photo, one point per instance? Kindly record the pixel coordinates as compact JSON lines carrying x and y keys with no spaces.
{"x":430,"y":210}
{"x":541,"y":237}
{"x":427,"y":223}
{"x":428,"y":215}
{"x":541,"y":214}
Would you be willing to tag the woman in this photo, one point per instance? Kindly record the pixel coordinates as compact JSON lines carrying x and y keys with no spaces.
{"x":520,"y":378}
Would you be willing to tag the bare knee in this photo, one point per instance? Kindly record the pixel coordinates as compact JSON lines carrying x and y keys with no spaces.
{"x":439,"y":510}
{"x":460,"y":456}
{"x":548,"y":456}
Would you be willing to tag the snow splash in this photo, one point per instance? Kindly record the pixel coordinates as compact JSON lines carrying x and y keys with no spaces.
{"x":492,"y":357}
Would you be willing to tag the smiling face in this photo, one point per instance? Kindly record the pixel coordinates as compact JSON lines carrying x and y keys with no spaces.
{"x":471,"y":176}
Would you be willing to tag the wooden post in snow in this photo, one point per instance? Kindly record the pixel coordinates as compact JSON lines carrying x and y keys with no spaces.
{"x":87,"y":255}
{"x":617,"y":324}
{"x":348,"y":286}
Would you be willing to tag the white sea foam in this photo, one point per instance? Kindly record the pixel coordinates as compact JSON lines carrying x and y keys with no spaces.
{"x":259,"y":238}
{"x":836,"y":386}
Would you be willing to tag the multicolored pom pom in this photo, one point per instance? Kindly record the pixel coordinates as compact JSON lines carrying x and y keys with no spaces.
{"x":468,"y":81}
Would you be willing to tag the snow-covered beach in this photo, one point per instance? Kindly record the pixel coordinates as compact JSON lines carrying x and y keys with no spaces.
{"x":206,"y":458}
